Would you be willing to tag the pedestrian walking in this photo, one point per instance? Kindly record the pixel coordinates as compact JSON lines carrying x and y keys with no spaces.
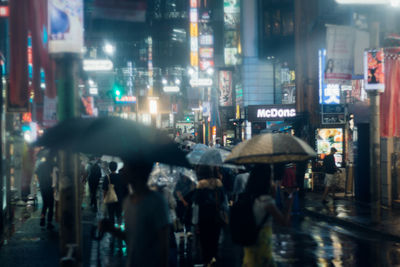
{"x":55,"y":176}
{"x":182,"y":190}
{"x":146,"y":220}
{"x":94,"y":180}
{"x":330,"y":169}
{"x":44,"y":175}
{"x":240,"y":183}
{"x":259,"y":187}
{"x":212,"y":204}
{"x":164,"y":189}
{"x":121,"y":190}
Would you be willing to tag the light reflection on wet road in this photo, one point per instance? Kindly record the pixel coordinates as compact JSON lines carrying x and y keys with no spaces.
{"x":316,"y":243}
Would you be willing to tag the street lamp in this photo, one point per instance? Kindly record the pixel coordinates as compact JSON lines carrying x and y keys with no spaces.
{"x":190,"y":71}
{"x":210,"y":71}
{"x":108,"y":49}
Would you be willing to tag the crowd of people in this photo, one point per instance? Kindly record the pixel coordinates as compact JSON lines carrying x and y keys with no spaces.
{"x":152,"y":213}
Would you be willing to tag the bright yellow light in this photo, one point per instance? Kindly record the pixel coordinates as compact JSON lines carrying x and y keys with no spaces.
{"x":153,"y":106}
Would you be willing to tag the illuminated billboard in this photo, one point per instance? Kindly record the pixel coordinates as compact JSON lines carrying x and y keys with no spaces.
{"x":65,"y":22}
{"x":374,"y":73}
{"x":328,"y":138}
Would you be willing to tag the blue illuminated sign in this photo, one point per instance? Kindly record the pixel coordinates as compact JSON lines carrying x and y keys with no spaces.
{"x":328,"y":93}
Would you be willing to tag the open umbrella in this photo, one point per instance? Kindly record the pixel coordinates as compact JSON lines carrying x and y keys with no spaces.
{"x":115,"y":137}
{"x":210,"y":157}
{"x":271,"y":148}
{"x":200,"y":146}
{"x":213,"y":157}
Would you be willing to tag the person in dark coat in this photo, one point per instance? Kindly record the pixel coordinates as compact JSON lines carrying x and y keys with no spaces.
{"x":121,"y":190}
{"x":212,"y":202}
{"x":44,"y":174}
{"x":94,"y":180}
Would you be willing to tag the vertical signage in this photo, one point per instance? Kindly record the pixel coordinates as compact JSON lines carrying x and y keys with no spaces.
{"x":194,"y":33}
{"x":231,"y":33}
{"x":4,"y":11}
{"x":225,"y":88}
{"x":65,"y":22}
{"x":374,"y":73}
{"x":206,"y":47}
{"x":129,"y":82}
{"x":30,"y":57}
{"x":328,"y":93}
{"x":340,"y":54}
{"x":150,"y":65}
{"x":49,"y":111}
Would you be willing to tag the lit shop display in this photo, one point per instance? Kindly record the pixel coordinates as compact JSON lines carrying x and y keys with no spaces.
{"x":328,"y":138}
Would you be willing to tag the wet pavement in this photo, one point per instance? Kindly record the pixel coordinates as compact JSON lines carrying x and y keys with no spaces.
{"x":309,"y":242}
{"x":28,"y":244}
{"x":348,"y":212}
{"x":338,"y":234}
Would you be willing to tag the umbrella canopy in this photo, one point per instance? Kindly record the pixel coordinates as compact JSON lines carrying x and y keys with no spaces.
{"x":115,"y":137}
{"x":200,"y":147}
{"x":271,"y":148}
{"x":209,"y":156}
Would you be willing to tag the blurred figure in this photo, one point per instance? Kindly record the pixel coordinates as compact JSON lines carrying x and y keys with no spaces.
{"x":259,"y":186}
{"x":146,"y":219}
{"x":55,"y":176}
{"x":28,"y":166}
{"x":240,"y":183}
{"x":183,"y":187}
{"x":217,"y":142}
{"x":94,"y":180}
{"x":115,"y":209}
{"x":212,"y":202}
{"x":164,"y":189}
{"x":44,"y":174}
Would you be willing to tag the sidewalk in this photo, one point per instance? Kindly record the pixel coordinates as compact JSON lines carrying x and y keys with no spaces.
{"x":26,"y":244}
{"x":351,"y":213}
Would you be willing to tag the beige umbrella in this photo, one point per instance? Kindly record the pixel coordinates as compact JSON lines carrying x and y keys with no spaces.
{"x":271,"y":148}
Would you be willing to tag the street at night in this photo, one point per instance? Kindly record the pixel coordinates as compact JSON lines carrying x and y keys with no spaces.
{"x":199,"y":133}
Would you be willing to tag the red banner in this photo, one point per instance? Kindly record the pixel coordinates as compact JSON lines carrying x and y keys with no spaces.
{"x":29,"y":16}
{"x":390,"y":99}
{"x":18,"y":94}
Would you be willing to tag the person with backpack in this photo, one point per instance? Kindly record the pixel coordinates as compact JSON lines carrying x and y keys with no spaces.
{"x":94,"y":180}
{"x":252,"y":216}
{"x":212,"y":203}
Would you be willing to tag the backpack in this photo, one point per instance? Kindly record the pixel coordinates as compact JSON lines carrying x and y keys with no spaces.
{"x":244,"y":230}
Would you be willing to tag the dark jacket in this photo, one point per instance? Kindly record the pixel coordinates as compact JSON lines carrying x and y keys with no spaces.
{"x":210,"y":197}
{"x":329,"y":164}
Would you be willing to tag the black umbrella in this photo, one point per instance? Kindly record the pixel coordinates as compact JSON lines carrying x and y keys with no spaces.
{"x":113,"y":136}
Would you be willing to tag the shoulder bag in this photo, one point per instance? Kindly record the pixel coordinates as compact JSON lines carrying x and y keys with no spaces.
{"x":111,"y":196}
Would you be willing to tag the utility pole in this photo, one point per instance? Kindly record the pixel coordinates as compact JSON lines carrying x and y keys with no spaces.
{"x":299,"y":54}
{"x":306,"y":62}
{"x":70,"y":202}
{"x":375,"y":144}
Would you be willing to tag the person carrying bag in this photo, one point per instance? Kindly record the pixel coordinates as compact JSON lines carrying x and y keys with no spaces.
{"x":110,"y":195}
